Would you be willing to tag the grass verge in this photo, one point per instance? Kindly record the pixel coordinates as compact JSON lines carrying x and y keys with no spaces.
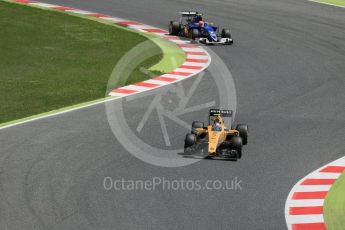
{"x":50,"y":60}
{"x":334,"y":206}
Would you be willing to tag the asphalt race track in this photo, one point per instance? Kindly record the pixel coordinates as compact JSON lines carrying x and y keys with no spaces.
{"x":288,"y":67}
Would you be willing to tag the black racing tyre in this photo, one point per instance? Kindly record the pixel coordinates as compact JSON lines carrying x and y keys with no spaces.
{"x":243,"y":129}
{"x":174,"y":28}
{"x":195,"y":33}
{"x":239,"y":153}
{"x":181,"y":29}
{"x":197,"y":124}
{"x":226,"y":33}
{"x":236,"y":142}
{"x":189,"y":140}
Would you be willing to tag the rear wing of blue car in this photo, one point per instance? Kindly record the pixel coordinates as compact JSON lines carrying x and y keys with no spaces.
{"x":190,"y":13}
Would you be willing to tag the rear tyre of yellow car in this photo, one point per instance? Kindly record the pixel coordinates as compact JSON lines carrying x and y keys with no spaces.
{"x":196,"y":125}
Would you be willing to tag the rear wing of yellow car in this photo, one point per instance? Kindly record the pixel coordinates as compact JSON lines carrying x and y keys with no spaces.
{"x":221,"y":112}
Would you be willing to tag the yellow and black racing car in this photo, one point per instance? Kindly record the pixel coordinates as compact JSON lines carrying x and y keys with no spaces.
{"x":216,"y":140}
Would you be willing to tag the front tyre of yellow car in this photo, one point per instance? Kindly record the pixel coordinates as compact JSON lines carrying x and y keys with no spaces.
{"x":190,"y":140}
{"x":237,"y":144}
{"x":243,"y":130}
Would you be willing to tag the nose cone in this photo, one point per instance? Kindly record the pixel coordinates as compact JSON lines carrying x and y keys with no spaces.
{"x":213,"y":141}
{"x":213,"y":36}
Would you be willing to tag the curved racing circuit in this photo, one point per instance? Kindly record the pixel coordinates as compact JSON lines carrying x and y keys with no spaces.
{"x":287,"y":65}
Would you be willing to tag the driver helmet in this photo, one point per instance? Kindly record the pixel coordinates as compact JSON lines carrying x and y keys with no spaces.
{"x":216,"y":125}
{"x":198,"y":18}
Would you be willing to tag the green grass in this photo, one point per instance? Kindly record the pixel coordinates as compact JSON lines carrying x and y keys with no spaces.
{"x":335,"y":2}
{"x":50,"y":60}
{"x":334,"y":206}
{"x":172,"y":57}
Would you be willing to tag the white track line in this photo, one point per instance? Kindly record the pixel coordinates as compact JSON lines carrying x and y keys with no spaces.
{"x":83,"y":12}
{"x":305,"y":203}
{"x":320,"y":175}
{"x":299,"y":219}
{"x":44,"y":5}
{"x":193,"y":64}
{"x":113,"y":19}
{"x":310,"y":188}
{"x":326,"y":3}
{"x":59,"y":113}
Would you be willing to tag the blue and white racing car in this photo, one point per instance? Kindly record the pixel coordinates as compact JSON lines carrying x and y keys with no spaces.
{"x":191,"y":25}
